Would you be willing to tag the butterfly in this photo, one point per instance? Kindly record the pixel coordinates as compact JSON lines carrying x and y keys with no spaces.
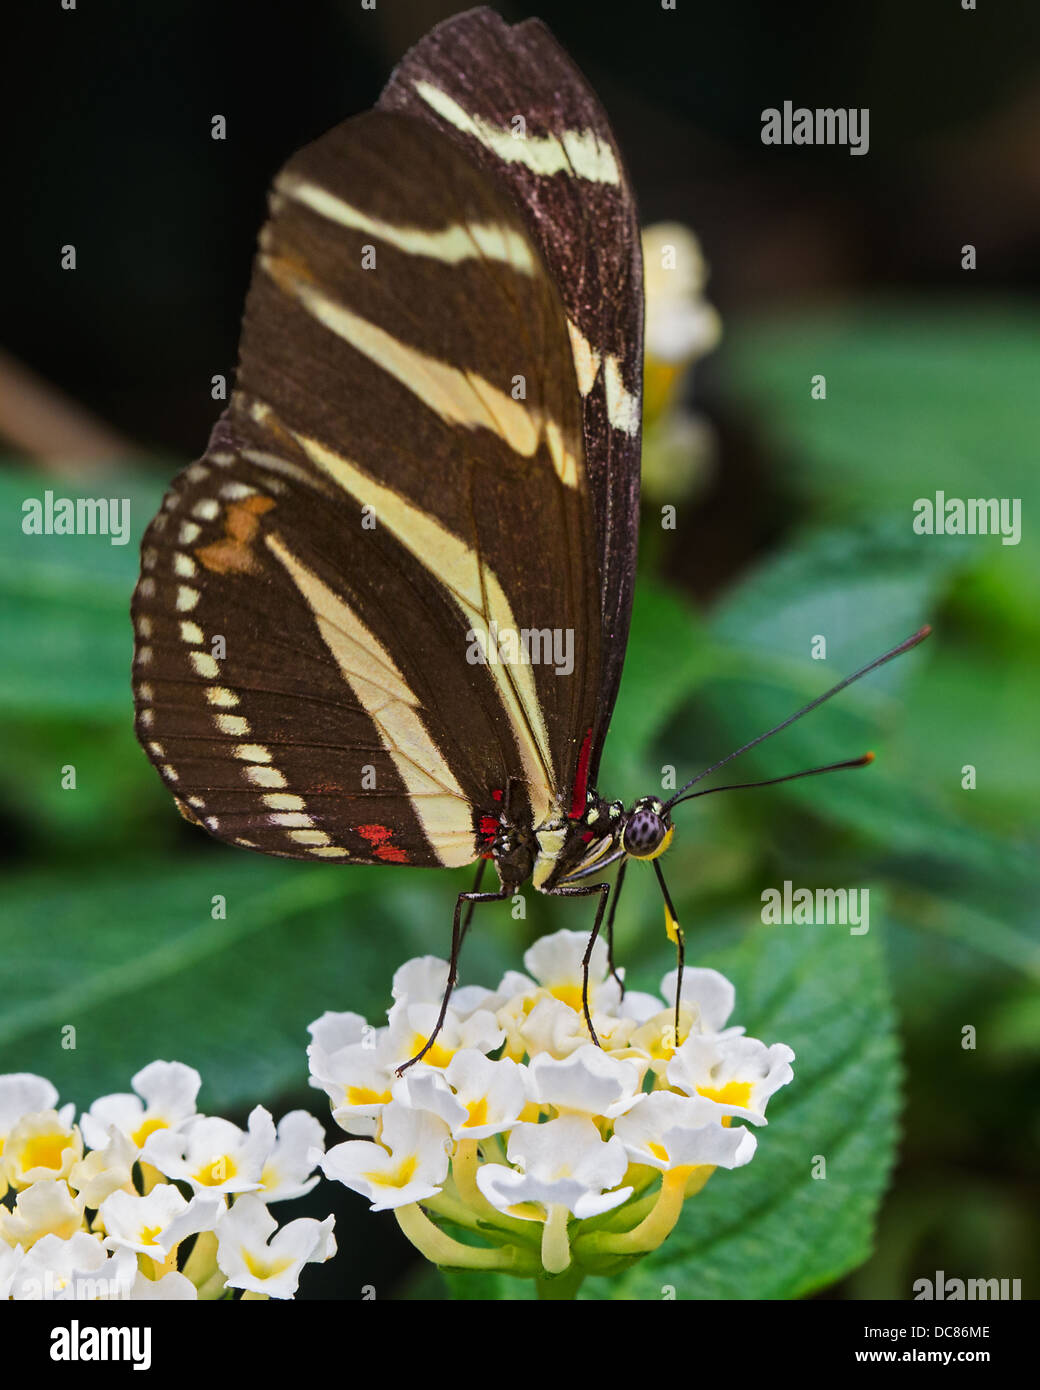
{"x":383,"y":619}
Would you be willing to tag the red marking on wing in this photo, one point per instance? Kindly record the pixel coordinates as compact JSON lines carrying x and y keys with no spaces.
{"x":497,"y":795}
{"x":391,"y":854}
{"x":588,"y":836}
{"x":377,"y":836}
{"x":581,"y":779}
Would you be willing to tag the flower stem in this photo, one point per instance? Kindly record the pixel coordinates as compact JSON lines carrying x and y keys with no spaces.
{"x":556,"y":1248}
{"x":442,"y":1250}
{"x":560,"y":1286}
{"x":201,"y":1264}
{"x":651,"y":1231}
{"x":464,"y":1171}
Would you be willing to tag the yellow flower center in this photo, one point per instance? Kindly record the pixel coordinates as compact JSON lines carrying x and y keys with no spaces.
{"x":146,"y":1235}
{"x":400,"y":1176}
{"x":568,"y":994}
{"x":365,"y":1095}
{"x":478,"y":1113}
{"x":733,"y":1093}
{"x":438,"y":1055}
{"x":264,"y":1267}
{"x":44,"y":1151}
{"x":221,"y":1170}
{"x":147,"y":1127}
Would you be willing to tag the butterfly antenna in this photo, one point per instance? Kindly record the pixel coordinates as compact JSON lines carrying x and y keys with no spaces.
{"x":864,"y":761}
{"x":906,"y":646}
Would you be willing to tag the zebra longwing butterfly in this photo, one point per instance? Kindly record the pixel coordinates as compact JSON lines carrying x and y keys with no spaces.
{"x":433,"y":445}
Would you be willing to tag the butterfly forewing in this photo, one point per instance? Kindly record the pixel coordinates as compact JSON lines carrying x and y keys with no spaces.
{"x":512,"y":99}
{"x":400,"y":473}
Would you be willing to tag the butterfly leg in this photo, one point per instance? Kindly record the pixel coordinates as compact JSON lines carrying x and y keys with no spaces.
{"x":457,"y":931}
{"x":481,"y":866}
{"x":581,"y":890}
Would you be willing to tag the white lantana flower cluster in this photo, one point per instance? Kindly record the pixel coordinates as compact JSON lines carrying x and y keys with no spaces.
{"x":561,"y":1157}
{"x":106,"y":1208}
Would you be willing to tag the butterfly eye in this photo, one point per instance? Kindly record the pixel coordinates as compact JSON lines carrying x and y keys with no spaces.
{"x":646,"y":834}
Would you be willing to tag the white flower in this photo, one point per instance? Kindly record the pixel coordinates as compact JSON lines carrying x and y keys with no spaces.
{"x":474,"y":1096}
{"x":668,"y":1131}
{"x":555,"y":962}
{"x":408,"y":1165}
{"x":251,"y":1259}
{"x":411,"y":1025}
{"x":138,"y":1223}
{"x":165,"y":1099}
{"x":640,"y":1007}
{"x":333,"y":1031}
{"x":170,"y":1287}
{"x":564,"y":1162}
{"x":587,"y":1082}
{"x":287,"y":1172}
{"x":41,"y":1145}
{"x":555,"y":1028}
{"x":105,"y":1170}
{"x":22,"y":1093}
{"x":680,"y":323}
{"x":710,"y":995}
{"x":77,"y":1268}
{"x":732,"y":1071}
{"x":45,"y":1208}
{"x":351,"y":1062}
{"x":201,"y":1214}
{"x":10,"y":1262}
{"x":213,"y":1154}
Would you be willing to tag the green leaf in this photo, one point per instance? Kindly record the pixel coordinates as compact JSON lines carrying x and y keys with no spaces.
{"x":136,"y":964}
{"x":65,"y":603}
{"x":668,"y":658}
{"x":919,"y":399}
{"x":771,"y":1230}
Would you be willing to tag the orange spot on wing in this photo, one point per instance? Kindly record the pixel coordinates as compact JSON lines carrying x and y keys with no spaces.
{"x":233,"y":554}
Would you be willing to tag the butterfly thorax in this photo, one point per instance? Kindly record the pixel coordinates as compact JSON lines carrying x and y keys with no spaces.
{"x":561,"y":847}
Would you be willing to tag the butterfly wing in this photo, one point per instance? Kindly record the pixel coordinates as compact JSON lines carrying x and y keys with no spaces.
{"x":400,"y":476}
{"x":515,"y":103}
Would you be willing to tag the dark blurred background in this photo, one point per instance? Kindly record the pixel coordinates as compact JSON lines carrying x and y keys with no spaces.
{"x":797,"y":515}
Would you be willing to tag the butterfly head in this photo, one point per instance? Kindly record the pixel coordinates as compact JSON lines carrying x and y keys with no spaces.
{"x":647,"y":830}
